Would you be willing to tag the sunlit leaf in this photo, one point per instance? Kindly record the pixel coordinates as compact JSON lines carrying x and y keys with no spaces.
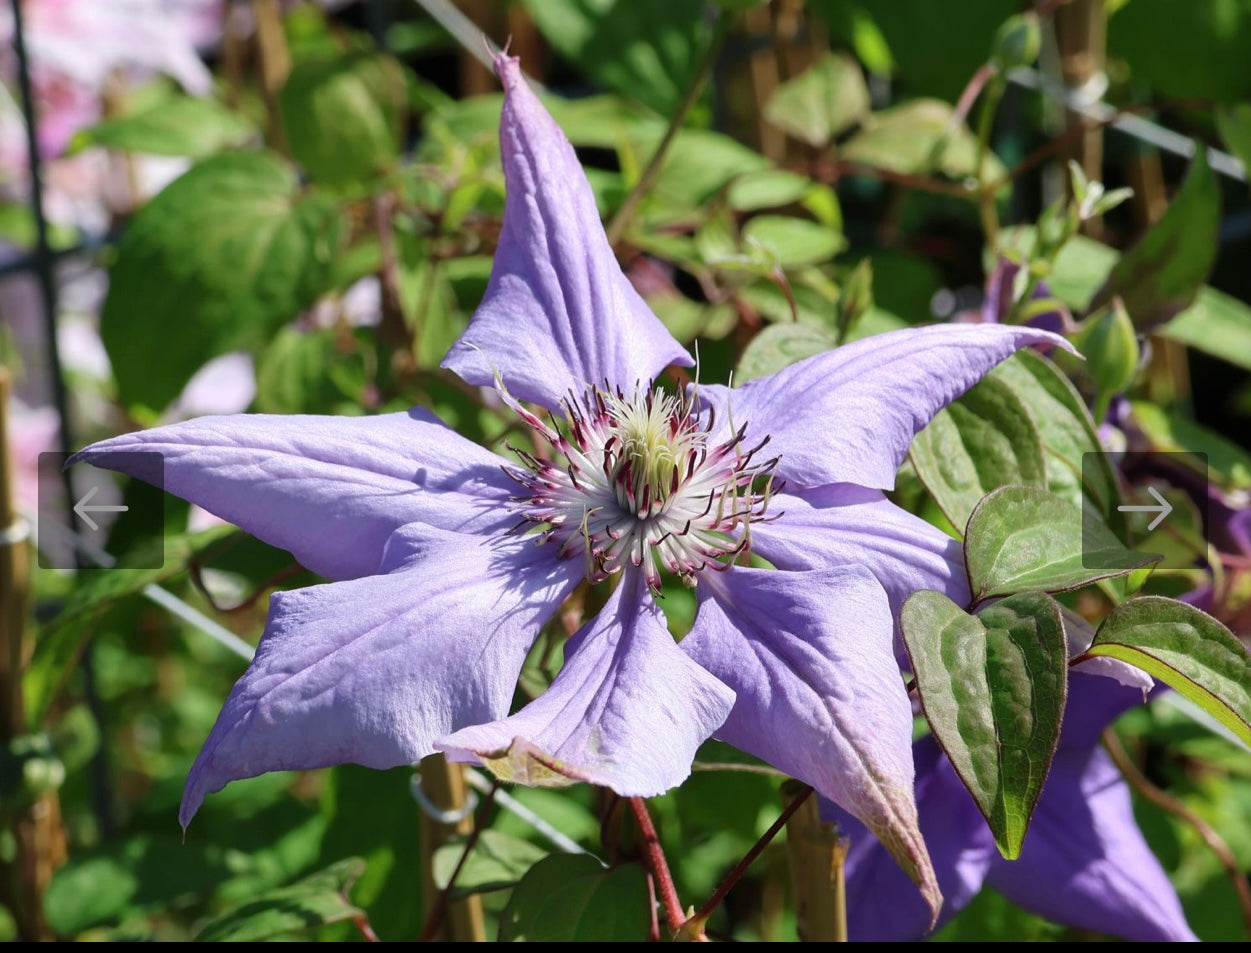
{"x":1161,"y":275}
{"x":1186,"y":648}
{"x":827,"y":98}
{"x":1021,"y":538}
{"x":181,"y":126}
{"x":992,"y":687}
{"x":343,"y":116}
{"x":224,"y":254}
{"x":983,"y":441}
{"x":781,"y":345}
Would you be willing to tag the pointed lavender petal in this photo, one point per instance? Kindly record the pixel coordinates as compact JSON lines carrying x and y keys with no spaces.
{"x":849,"y":415}
{"x":844,"y":525}
{"x":627,"y":711}
{"x":1085,"y":862}
{"x":372,"y":671}
{"x":819,"y":695}
{"x":331,"y":490}
{"x":558,"y":315}
{"x":882,"y":904}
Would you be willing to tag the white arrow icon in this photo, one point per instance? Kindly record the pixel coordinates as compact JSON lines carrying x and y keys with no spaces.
{"x":82,"y":509}
{"x":1163,"y":509}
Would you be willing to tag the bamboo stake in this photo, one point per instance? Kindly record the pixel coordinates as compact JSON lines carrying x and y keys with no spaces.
{"x":817,"y":854}
{"x":444,"y":786}
{"x":274,"y":59}
{"x":1082,"y":35}
{"x":39,"y":841}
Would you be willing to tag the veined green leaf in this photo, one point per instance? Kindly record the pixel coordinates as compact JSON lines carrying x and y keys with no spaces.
{"x":1187,"y":649}
{"x":1021,"y":538}
{"x":315,"y":900}
{"x":981,"y":442}
{"x":992,"y":687}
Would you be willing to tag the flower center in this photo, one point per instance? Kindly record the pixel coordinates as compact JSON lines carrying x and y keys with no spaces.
{"x":642,"y":483}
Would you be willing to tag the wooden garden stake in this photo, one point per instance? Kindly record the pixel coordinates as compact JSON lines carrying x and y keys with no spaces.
{"x":817,"y":855}
{"x":445,"y":788}
{"x":38,"y":840}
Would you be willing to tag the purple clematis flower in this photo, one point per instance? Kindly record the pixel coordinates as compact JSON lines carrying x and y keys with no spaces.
{"x":1084,"y":862}
{"x":418,"y":645}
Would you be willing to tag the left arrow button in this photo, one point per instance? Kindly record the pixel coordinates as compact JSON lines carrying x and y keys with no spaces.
{"x":81,"y":509}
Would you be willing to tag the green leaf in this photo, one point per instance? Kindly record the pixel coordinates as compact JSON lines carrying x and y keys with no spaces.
{"x":687,"y":319}
{"x":343,"y":117}
{"x":1173,"y":433}
{"x":768,"y":188}
{"x":992,"y":687}
{"x":646,"y":49}
{"x":1234,"y":123}
{"x":61,"y":639}
{"x":217,"y":260}
{"x":1161,"y":275}
{"x":1215,"y":323}
{"x":1187,"y":649}
{"x":793,"y":242}
{"x":1021,"y":538}
{"x":317,"y":899}
{"x":1067,"y":432}
{"x":827,"y":98}
{"x":497,"y":861}
{"x":698,"y":164}
{"x":781,"y":345}
{"x":370,"y":814}
{"x":181,"y":126}
{"x":906,"y":139}
{"x":300,"y":372}
{"x":570,"y":897}
{"x":121,"y":878}
{"x":981,"y":442}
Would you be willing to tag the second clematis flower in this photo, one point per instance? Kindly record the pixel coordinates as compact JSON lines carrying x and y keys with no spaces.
{"x":449,"y":559}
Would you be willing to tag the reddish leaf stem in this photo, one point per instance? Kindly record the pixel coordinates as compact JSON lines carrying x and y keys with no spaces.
{"x":657,"y":864}
{"x":733,"y":877}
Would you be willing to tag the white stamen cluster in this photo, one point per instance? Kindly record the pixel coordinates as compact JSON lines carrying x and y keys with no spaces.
{"x":642,"y":484}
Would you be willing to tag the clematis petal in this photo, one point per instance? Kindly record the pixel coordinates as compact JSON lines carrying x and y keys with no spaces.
{"x":627,"y":711}
{"x":373,"y":670}
{"x":819,"y":695}
{"x":844,"y":525}
{"x":882,"y":904}
{"x":558,"y":315}
{"x":331,"y":490}
{"x":849,"y":415}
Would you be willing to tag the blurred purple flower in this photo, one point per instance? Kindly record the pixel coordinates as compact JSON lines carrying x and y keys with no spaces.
{"x":32,"y":431}
{"x":1001,"y":297}
{"x":1084,"y":862}
{"x":419,"y":647}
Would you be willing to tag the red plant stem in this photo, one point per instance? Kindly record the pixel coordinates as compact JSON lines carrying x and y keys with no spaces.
{"x":971,"y":92}
{"x":658,"y":865}
{"x":749,"y":858}
{"x":653,"y":928}
{"x":367,"y":931}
